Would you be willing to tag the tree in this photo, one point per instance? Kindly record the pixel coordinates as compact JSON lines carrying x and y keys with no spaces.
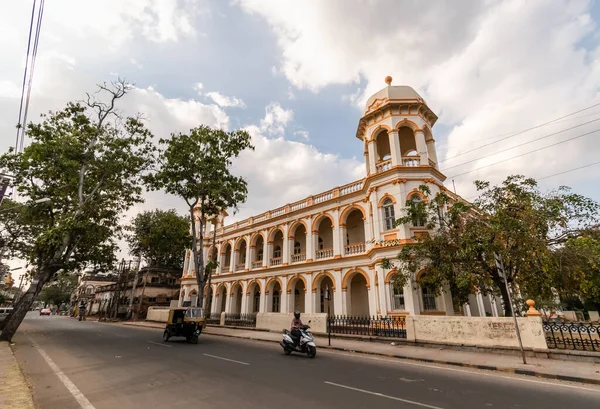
{"x":196,"y":167}
{"x":513,"y":220}
{"x":160,"y":237}
{"x":59,"y":290}
{"x":89,"y":161}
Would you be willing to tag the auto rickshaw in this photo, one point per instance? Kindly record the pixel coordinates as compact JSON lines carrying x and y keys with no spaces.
{"x":185,"y":322}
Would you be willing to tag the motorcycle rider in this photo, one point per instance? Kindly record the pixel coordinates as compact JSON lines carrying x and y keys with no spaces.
{"x":295,"y":328}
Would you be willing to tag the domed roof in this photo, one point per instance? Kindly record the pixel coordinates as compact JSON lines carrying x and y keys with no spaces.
{"x":396,"y":92}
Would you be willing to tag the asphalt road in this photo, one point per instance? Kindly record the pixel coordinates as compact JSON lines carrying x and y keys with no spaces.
{"x":74,"y":365}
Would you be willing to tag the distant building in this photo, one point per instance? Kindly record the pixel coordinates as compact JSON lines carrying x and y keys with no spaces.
{"x":156,"y":286}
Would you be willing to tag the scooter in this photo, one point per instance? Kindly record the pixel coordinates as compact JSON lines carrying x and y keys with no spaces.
{"x":306,"y":345}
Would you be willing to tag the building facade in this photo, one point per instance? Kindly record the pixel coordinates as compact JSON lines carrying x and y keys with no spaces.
{"x":323,"y":253}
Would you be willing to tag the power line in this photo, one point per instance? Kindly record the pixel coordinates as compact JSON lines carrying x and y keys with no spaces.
{"x":520,"y":132}
{"x":570,"y":170}
{"x":25,"y":75}
{"x":523,"y":154}
{"x":524,"y":143}
{"x":35,"y":48}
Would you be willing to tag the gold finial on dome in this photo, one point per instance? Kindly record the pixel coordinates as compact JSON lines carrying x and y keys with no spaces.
{"x":388,"y":80}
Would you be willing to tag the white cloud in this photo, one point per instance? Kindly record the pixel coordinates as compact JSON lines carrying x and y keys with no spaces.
{"x":136,"y":63}
{"x":276,"y":119}
{"x":225,"y":101}
{"x":198,"y":87}
{"x":302,"y":134}
{"x":487,"y":68}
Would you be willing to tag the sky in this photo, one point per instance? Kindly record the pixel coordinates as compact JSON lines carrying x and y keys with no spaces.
{"x":297,"y":75}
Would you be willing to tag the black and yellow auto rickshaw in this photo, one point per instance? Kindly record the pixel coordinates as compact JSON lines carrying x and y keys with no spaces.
{"x":185,"y":322}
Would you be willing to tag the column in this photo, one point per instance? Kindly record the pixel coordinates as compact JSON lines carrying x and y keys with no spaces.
{"x":421,"y":147}
{"x":232,"y":260}
{"x":372,"y":159}
{"x":283,"y":298}
{"x":338,"y":299}
{"x":431,"y":151}
{"x":310,"y":241}
{"x":337,"y":246}
{"x":493,"y":305}
{"x":285,"y":251}
{"x":411,"y":300}
{"x":248,"y":253}
{"x":384,"y":304}
{"x":245,"y":297}
{"x":309,"y":307}
{"x":263,"y":296}
{"x":266,"y":255}
{"x":219,"y":259}
{"x":395,"y":148}
{"x":228,"y":298}
{"x":480,"y":304}
{"x":447,"y":302}
{"x":372,"y":293}
{"x":216,"y":301}
{"x":467,"y":309}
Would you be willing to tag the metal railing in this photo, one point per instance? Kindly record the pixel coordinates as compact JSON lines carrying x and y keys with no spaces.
{"x":582,"y":336}
{"x":214,"y":318}
{"x":241,"y":320}
{"x":388,"y":327}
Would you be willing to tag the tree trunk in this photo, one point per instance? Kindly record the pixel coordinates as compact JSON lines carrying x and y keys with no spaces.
{"x":208,"y":300}
{"x":12,"y":322}
{"x":198,"y":255}
{"x":505,"y":299}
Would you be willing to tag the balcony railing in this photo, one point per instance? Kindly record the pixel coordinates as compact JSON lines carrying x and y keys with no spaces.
{"x":353,"y":187}
{"x":411,"y":161}
{"x":240,"y":266}
{"x":383,"y":166}
{"x":296,"y":258}
{"x":355,"y":248}
{"x":276,"y":261}
{"x":324,"y":197}
{"x":325,"y":253}
{"x":257,"y":264}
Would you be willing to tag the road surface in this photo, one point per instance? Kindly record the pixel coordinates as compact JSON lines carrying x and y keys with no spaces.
{"x":91,"y":365}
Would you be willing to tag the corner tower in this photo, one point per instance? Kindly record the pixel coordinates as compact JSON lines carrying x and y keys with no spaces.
{"x":396,"y":131}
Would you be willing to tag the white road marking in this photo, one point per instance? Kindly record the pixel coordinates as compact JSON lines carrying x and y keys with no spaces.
{"x":79,"y":397}
{"x":474,"y":371}
{"x":159,"y":344}
{"x":226,"y":359}
{"x":381,"y":395}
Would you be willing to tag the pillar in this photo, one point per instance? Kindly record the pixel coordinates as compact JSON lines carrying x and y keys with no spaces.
{"x":480,"y":304}
{"x":384,"y":304}
{"x":338,"y":304}
{"x":308,"y":295}
{"x":228,"y":298}
{"x":395,"y":148}
{"x":446,"y":297}
{"x":337,"y":245}
{"x":263,"y":296}
{"x":285,"y":251}
{"x":494,"y":305}
{"x":372,"y":158}
{"x":234,"y":252}
{"x":266,"y":255}
{"x":244,"y":308}
{"x":411,"y":300}
{"x":431,"y":151}
{"x":248,"y":253}
{"x":467,"y":309}
{"x":310,"y":241}
{"x":421,"y":147}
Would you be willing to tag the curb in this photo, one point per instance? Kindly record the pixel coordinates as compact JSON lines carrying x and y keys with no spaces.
{"x":431,"y":361}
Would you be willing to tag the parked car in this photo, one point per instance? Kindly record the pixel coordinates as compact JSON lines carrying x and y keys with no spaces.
{"x":4,"y":311}
{"x":45,"y":311}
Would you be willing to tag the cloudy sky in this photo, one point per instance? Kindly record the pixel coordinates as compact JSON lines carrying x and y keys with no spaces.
{"x":297,"y":75}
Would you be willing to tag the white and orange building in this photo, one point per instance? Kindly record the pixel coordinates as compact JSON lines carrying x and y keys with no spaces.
{"x":286,"y":259}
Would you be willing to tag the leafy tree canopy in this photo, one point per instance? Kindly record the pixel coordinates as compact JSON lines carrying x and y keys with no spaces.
{"x":59,"y":290}
{"x":514,"y":220}
{"x":160,"y":237}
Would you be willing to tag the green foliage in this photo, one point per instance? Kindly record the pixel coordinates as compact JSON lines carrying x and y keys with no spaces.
{"x":513,"y":220}
{"x":196,"y":167}
{"x":89,"y":161}
{"x":160,"y":237}
{"x":2,"y":299}
{"x":59,"y":290}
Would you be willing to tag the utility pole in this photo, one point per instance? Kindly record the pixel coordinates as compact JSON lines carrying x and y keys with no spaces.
{"x":502,"y":274}
{"x":135,"y":280}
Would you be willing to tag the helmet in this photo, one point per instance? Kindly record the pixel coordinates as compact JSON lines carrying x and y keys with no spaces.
{"x":297,"y":314}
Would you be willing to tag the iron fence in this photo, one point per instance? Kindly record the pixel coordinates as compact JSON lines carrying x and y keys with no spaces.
{"x":214,"y":318}
{"x":389,"y":327}
{"x":240,"y":320}
{"x":580,"y":336}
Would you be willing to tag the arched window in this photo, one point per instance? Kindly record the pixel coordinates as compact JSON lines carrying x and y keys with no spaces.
{"x":256,"y":301}
{"x":276,"y":301}
{"x":428,"y":299}
{"x":277,"y":252}
{"x":320,"y":243}
{"x":389,"y":216}
{"x":418,"y":219}
{"x":297,"y":249}
{"x":259,"y":255}
{"x":397,"y":297}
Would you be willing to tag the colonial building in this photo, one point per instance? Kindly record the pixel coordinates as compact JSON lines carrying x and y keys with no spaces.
{"x":332,"y":243}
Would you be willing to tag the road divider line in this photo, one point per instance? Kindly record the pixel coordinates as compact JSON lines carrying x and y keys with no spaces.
{"x":159,"y":344}
{"x":79,"y":397}
{"x":226,"y":359}
{"x":381,"y":395}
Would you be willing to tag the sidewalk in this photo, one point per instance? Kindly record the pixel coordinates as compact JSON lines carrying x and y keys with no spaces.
{"x":584,"y":372}
{"x":14,"y":391}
